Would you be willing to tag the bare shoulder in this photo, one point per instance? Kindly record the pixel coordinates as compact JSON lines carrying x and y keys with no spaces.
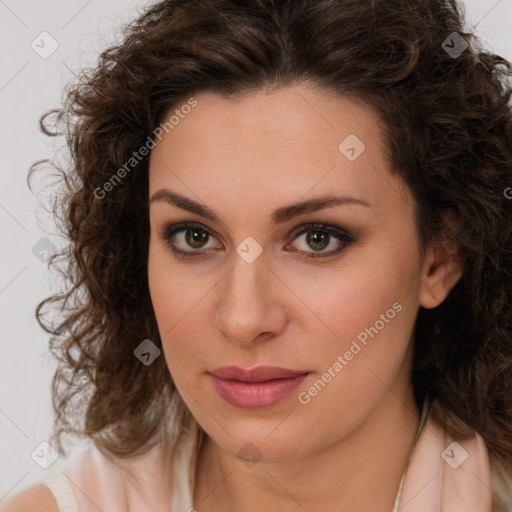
{"x":37,"y":498}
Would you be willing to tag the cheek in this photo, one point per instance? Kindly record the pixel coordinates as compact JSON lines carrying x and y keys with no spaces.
{"x":366,"y":317}
{"x":172,"y":292}
{"x":370,"y":316}
{"x":342,"y":304}
{"x":179,"y":305}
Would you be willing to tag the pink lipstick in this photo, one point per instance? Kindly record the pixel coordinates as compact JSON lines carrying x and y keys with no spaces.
{"x":258,"y":387}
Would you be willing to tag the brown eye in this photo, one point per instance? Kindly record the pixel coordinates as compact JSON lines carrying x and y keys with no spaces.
{"x":319,"y":237}
{"x":318,"y":240}
{"x":188,"y":239}
{"x":196,"y":237}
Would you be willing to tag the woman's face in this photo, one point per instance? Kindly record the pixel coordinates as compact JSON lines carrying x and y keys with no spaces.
{"x":335,"y":302}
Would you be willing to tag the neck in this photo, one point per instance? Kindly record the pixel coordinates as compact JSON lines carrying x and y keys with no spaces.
{"x":359,"y":472}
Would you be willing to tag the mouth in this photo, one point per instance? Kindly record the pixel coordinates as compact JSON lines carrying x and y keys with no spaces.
{"x":259,"y":387}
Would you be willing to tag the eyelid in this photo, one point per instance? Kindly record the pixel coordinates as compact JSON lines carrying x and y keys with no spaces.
{"x":320,"y":226}
{"x":174,"y":227}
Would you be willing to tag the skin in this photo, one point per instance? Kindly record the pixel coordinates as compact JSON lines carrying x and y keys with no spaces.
{"x":244,"y":157}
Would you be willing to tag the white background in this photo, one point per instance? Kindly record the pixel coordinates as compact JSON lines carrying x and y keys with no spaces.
{"x":30,"y":85}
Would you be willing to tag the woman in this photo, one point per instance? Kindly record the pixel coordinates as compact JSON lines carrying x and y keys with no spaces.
{"x":290,"y":255}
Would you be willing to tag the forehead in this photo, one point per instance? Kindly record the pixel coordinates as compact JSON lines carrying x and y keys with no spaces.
{"x":285,"y":116}
{"x":289,"y":143}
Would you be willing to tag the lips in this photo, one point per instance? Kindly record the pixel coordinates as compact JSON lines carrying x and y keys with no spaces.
{"x":258,"y":374}
{"x":262,"y":386}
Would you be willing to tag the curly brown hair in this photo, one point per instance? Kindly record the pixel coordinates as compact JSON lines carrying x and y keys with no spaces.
{"x":448,"y":125}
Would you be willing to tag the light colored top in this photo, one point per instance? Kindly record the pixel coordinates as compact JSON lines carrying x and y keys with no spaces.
{"x":441,"y":475}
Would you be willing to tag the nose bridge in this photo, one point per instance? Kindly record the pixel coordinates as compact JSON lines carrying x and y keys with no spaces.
{"x":246,"y":306}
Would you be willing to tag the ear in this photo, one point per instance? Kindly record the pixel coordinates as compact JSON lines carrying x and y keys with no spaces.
{"x":441,"y":271}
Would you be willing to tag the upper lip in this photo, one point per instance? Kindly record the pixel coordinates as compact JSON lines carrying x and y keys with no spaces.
{"x":257,"y":374}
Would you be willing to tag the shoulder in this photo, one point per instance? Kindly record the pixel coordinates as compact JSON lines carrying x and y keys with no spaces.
{"x":37,"y":498}
{"x":50,"y":493}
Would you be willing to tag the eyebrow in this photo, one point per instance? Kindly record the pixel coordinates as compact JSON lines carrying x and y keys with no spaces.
{"x":282,"y":214}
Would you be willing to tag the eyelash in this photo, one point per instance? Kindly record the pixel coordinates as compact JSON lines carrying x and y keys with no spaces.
{"x":341,"y":235}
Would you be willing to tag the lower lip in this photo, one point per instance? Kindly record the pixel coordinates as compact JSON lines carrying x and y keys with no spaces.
{"x":252,"y":395}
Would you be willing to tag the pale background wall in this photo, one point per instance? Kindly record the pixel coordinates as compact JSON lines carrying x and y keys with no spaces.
{"x":29,"y":85}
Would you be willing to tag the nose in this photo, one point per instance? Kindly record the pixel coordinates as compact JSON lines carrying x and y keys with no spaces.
{"x":249,"y":306}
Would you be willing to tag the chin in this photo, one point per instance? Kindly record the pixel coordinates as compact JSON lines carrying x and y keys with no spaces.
{"x":253,"y":444}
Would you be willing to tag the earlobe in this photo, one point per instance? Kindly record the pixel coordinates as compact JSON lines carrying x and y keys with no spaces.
{"x":441,"y":272}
